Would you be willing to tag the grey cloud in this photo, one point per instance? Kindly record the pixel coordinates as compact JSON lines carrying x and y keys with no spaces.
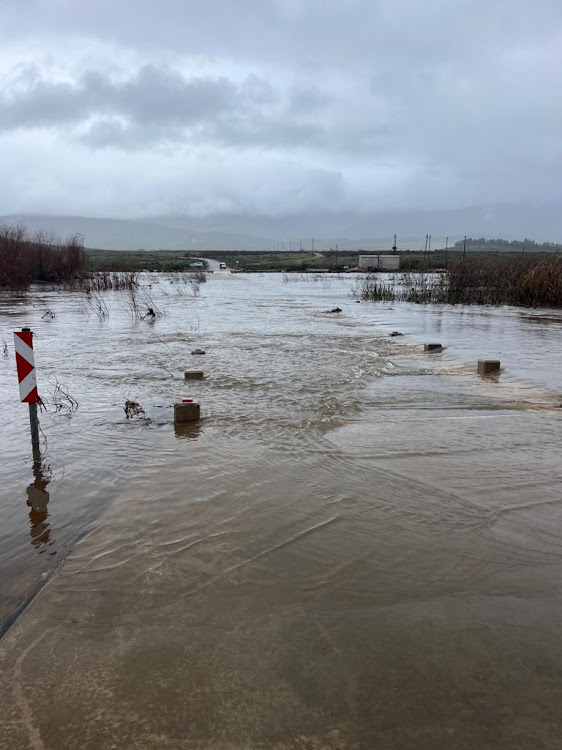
{"x":107,"y":132}
{"x":255,"y":90}
{"x":299,"y":32}
{"x":433,"y":102}
{"x":266,"y":132}
{"x":158,"y":106}
{"x":151,"y":95}
{"x":308,"y":100}
{"x":155,"y":95}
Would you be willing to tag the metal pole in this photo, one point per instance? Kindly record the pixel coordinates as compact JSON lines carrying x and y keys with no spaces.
{"x":446,"y":251}
{"x":34,"y":423}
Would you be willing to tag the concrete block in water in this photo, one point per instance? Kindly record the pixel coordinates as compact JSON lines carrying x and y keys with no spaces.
{"x":432,"y":347}
{"x":186,"y":410}
{"x":193,"y":374}
{"x":488,"y":366}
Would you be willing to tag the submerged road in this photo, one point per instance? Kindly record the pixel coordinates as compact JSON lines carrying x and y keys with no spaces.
{"x":337,"y":603}
{"x":358,"y":548}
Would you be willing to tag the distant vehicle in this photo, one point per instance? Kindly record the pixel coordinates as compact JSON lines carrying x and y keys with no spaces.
{"x":197,"y":264}
{"x":222,"y":266}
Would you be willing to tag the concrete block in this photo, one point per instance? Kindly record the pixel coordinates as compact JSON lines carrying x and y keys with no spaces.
{"x":488,"y":366}
{"x":432,"y":347}
{"x":186,"y":410}
{"x":193,"y":374}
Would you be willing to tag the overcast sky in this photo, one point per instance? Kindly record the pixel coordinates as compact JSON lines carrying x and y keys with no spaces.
{"x":141,"y":107}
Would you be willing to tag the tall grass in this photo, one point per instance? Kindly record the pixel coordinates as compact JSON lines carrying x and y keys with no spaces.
{"x":527,"y":282}
{"x":141,"y":305}
{"x":532,"y":282}
{"x":104,"y":281}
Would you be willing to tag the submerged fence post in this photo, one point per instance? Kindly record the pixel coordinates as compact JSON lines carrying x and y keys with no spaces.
{"x":27,"y":379}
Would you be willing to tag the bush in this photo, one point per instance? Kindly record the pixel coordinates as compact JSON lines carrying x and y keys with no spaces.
{"x":526,"y":282}
{"x":531,"y":282}
{"x":26,"y":258}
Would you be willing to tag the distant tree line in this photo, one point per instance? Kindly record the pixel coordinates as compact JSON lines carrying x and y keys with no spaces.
{"x":25,"y":258}
{"x":517,"y":245}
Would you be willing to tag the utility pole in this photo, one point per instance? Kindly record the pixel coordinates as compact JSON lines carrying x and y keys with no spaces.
{"x":425,"y":249}
{"x":313,"y":244}
{"x":464,"y":249}
{"x":336,"y":256}
{"x":395,"y":246}
{"x":446,"y":251}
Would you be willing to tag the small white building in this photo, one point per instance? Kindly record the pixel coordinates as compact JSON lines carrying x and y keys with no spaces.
{"x":379,"y":262}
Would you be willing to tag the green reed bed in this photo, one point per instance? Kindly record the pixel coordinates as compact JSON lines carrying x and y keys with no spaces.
{"x":534,"y":281}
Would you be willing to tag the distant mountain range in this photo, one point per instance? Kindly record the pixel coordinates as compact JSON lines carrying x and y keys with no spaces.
{"x":353,"y":231}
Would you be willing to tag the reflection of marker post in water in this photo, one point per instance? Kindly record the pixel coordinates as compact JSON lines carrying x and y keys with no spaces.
{"x":27,"y":378}
{"x":38,"y":502}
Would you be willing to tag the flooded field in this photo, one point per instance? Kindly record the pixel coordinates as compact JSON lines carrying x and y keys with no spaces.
{"x":359,"y":546}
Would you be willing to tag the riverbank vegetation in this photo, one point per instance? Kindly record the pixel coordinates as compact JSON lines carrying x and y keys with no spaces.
{"x":484,"y":272}
{"x":40,"y":257}
{"x":531,"y":281}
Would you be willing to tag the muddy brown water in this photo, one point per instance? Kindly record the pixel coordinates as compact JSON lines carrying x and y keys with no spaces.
{"x":358,"y":546}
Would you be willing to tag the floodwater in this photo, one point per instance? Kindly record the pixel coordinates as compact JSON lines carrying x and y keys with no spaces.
{"x":359,"y":546}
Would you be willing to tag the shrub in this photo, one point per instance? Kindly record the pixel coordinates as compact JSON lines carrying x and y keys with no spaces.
{"x":527,"y":282}
{"x":25,"y":258}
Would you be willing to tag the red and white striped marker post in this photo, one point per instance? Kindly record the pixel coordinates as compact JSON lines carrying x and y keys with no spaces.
{"x":27,"y":378}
